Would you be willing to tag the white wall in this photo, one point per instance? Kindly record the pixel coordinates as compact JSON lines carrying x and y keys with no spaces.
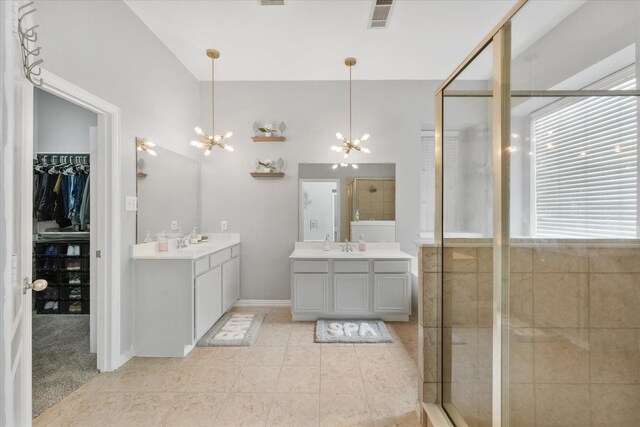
{"x":61,"y":126}
{"x":104,"y":48}
{"x":265,"y":211}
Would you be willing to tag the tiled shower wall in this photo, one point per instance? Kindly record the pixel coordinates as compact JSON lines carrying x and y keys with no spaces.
{"x":379,"y":204}
{"x":574,"y":333}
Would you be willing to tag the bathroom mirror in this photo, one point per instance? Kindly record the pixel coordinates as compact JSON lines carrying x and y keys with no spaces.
{"x":168,"y":190}
{"x":346,"y":202}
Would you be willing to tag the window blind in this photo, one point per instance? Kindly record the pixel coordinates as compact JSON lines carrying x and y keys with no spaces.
{"x":586,"y":172}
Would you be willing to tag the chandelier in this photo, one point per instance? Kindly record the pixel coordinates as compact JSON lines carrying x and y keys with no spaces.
{"x":208,"y":141}
{"x":349,"y":144}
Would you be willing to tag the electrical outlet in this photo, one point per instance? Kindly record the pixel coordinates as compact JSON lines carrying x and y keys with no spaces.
{"x":131,"y":204}
{"x":223,"y":225}
{"x":174,"y":224}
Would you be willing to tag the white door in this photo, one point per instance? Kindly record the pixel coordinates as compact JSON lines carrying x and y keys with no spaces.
{"x":16,"y":125}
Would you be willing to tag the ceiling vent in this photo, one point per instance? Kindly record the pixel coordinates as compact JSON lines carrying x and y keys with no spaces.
{"x":272,"y":2}
{"x":380,"y":13}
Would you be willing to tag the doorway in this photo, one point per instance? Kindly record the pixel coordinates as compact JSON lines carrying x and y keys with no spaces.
{"x":64,"y":326}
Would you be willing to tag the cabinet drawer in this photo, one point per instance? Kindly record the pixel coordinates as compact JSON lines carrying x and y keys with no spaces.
{"x":201,"y":265}
{"x":351,"y":266}
{"x":235,"y":251}
{"x":391,"y":266}
{"x":310,"y":266}
{"x":219,"y":257}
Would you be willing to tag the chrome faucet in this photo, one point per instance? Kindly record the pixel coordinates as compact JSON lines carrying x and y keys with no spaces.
{"x":182,"y":241}
{"x":347,"y":247}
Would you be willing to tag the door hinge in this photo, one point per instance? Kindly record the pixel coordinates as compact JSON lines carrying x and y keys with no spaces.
{"x":98,"y":254}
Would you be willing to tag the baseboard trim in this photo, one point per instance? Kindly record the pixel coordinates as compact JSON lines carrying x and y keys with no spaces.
{"x":263,"y":303}
{"x":125,"y":357}
{"x":436,"y":415}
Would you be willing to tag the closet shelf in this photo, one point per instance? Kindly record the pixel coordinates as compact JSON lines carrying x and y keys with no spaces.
{"x":268,"y":138}
{"x":267,"y":174}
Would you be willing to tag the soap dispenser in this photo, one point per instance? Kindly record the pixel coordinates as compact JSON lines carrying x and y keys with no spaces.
{"x":362,"y":246}
{"x":327,"y":244}
{"x":163,"y":243}
{"x":193,"y":238}
{"x":357,"y":215}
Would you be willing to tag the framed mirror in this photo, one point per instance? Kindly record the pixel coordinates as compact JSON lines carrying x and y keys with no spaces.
{"x":346,"y":202}
{"x":167,"y":187}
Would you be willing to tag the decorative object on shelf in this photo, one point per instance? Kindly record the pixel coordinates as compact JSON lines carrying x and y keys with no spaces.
{"x":267,"y":133}
{"x":267,"y":174}
{"x":140,"y":169}
{"x":28,"y":36}
{"x":268,"y":169}
{"x":215,"y":140}
{"x":349,"y":144}
{"x":143,"y":144}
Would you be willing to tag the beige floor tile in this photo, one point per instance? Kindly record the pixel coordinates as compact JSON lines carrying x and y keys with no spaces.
{"x":295,"y":379}
{"x":144,"y":409}
{"x":269,"y":338}
{"x":244,"y":409}
{"x":295,"y":410}
{"x":383,"y":379}
{"x":266,"y":356}
{"x":228,"y":355}
{"x":344,"y":410}
{"x":299,"y":338}
{"x":403,"y":355}
{"x":68,"y":405}
{"x":193,"y":409}
{"x":98,"y":409}
{"x":302,"y":356}
{"x":339,"y":379}
{"x":398,"y":409}
{"x":344,"y":357}
{"x":304,"y":326}
{"x":374,"y":355}
{"x":213,"y":379}
{"x":257,"y":380}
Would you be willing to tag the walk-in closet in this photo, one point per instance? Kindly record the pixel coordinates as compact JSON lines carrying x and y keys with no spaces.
{"x":62,"y":355}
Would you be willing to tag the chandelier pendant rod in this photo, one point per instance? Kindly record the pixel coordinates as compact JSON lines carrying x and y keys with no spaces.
{"x":350,"y":115}
{"x":213,"y":97}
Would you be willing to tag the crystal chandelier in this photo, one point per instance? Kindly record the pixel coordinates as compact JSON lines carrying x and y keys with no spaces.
{"x":208,"y":141}
{"x":349,"y":144}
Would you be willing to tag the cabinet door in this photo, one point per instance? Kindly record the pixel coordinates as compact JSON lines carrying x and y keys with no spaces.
{"x":392,"y":293}
{"x":230,"y":283}
{"x":311,"y":292}
{"x":208,"y":301}
{"x":351,"y":293}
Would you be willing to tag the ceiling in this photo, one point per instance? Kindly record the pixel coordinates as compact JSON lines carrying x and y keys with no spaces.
{"x":309,"y":39}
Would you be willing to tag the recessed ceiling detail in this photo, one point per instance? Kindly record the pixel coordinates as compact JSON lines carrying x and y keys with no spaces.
{"x":272,"y":2}
{"x":380,"y":13}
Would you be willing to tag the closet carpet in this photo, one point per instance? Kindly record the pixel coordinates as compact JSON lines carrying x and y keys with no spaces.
{"x":61,"y":358}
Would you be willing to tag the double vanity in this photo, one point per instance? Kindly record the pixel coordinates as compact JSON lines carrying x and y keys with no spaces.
{"x":180,"y":294}
{"x":372,"y":284}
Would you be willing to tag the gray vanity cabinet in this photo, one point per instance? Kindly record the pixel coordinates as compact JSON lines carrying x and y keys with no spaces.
{"x":208,"y":300}
{"x":230,"y":283}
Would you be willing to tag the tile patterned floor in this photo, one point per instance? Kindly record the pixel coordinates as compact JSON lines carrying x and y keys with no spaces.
{"x":284,"y":379}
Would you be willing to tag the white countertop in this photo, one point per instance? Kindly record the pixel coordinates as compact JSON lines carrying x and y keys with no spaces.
{"x":216,"y":242}
{"x":313,"y":250}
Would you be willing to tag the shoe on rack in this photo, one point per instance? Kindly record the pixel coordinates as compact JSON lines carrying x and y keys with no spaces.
{"x":77,"y":250}
{"x":70,"y":250}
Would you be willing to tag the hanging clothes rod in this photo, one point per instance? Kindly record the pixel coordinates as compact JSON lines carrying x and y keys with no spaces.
{"x":58,"y":158}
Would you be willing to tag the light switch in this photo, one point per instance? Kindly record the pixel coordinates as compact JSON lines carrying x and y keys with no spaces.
{"x":131,"y":204}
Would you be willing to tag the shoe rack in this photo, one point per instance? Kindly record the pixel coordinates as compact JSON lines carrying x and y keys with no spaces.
{"x":65,"y":265}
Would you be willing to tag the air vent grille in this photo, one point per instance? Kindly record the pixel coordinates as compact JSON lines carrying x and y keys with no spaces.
{"x":380,"y":13}
{"x":274,"y":2}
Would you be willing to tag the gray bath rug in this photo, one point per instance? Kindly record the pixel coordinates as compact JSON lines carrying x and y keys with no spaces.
{"x":233,"y":330}
{"x":352,"y":331}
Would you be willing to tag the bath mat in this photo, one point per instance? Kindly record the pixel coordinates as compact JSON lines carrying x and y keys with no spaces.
{"x":233,"y":330}
{"x":352,"y":331}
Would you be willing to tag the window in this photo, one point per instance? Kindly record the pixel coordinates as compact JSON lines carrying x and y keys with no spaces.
{"x":428,"y":178}
{"x":586,"y":183}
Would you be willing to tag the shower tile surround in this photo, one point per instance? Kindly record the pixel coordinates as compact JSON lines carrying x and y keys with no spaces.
{"x":379,"y":204}
{"x":574,"y":344}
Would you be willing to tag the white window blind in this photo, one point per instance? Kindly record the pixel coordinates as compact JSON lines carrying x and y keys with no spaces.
{"x":428,"y":178}
{"x":586,"y":171}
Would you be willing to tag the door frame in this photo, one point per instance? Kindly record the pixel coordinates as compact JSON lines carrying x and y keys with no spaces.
{"x":106,"y":218}
{"x":338,"y":225}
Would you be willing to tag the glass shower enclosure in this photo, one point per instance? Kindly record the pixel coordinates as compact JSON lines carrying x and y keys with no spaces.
{"x":537,"y":230}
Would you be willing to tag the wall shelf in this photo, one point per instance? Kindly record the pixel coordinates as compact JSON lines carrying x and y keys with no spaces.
{"x":268,"y":138}
{"x":267,"y":174}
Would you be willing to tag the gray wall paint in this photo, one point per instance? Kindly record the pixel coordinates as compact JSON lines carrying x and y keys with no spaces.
{"x":265,"y":211}
{"x":60,"y":126}
{"x":104,"y":48}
